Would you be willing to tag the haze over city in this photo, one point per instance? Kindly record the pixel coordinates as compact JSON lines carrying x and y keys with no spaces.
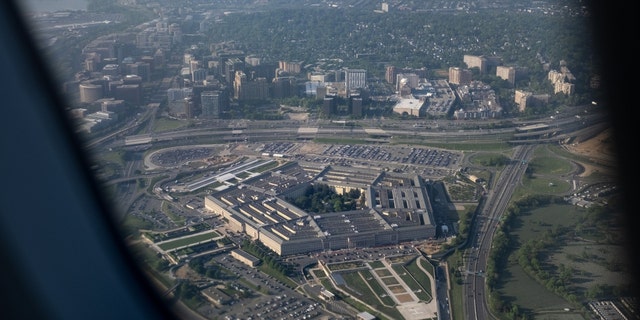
{"x":351,"y":159}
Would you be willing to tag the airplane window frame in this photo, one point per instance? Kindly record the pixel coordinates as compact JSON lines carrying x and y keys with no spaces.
{"x":53,"y":166}
{"x":64,"y":256}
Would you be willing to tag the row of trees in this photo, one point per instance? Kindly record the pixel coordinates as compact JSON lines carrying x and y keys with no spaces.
{"x":268,"y":257}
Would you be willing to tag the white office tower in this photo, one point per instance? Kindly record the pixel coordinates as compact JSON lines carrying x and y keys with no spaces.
{"x":355,"y":79}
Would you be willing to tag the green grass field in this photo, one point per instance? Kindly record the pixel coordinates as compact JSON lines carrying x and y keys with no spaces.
{"x":180,"y":242}
{"x":519,"y":287}
{"x":590,"y":263}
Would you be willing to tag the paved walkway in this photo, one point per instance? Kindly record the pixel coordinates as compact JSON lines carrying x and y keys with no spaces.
{"x":409,"y":305}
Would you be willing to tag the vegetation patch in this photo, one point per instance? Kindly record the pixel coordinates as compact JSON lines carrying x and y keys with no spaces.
{"x":320,"y":198}
{"x":265,"y":167}
{"x":389,"y":281}
{"x":187,"y":241}
{"x":545,"y":251}
{"x":382,"y":273}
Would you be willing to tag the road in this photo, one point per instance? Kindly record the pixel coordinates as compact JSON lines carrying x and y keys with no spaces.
{"x":446,"y":132}
{"x":495,"y":203}
{"x":474,"y":297}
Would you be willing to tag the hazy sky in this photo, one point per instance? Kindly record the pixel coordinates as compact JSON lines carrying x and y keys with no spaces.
{"x":53,"y":5}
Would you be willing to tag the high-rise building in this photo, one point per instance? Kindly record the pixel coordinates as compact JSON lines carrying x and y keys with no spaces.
{"x":198,"y":75}
{"x":111,"y":86}
{"x":521,"y":98}
{"x":90,"y":92}
{"x":239,"y":84}
{"x":483,"y":63}
{"x":131,"y":93}
{"x":459,"y":76}
{"x":182,"y":108}
{"x":390,"y":74}
{"x":311,"y":87}
{"x":132,"y":79}
{"x":245,"y":89}
{"x":506,"y":73}
{"x":159,"y":58}
{"x":252,"y":61}
{"x":321,"y":91}
{"x":111,"y":70}
{"x":475,"y":62}
{"x":174,"y":94}
{"x":356,"y":106}
{"x":291,"y":67}
{"x":411,"y":80}
{"x":148,"y":60}
{"x":329,"y":106}
{"x":187,"y":57}
{"x":355,"y":79}
{"x":194,"y":64}
{"x":211,"y":104}
{"x":112,"y":105}
{"x":230,"y":67}
{"x":90,"y":65}
{"x":284,"y":87}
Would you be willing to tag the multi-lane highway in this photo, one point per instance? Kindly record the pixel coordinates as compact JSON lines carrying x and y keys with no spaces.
{"x":475,"y":299}
{"x":494,"y":205}
{"x":445,"y":131}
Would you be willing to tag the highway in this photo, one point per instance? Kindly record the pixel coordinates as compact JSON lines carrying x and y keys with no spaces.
{"x":474,"y":297}
{"x":493,"y":207}
{"x":445,"y":132}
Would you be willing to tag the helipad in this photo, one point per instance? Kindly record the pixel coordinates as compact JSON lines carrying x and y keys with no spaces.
{"x":418,"y":310}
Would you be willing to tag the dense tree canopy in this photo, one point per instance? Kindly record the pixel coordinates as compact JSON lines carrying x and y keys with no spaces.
{"x":412,"y":39}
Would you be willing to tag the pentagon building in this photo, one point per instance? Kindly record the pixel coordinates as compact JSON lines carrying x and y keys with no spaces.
{"x":397,"y":209}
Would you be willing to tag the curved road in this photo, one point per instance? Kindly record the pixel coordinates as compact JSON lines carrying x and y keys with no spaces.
{"x":495,"y":204}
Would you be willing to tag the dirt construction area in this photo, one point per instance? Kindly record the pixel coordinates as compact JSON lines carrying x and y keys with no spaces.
{"x":600,"y":151}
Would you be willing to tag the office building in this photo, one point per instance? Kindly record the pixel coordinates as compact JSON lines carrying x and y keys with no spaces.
{"x":111,"y":70}
{"x":198,"y":75}
{"x":90,"y":92}
{"x":245,"y":89}
{"x":211,"y":104}
{"x":112,"y":105}
{"x":174,"y":94}
{"x":398,"y":209}
{"x":131,"y":93}
{"x":284,"y":87}
{"x":390,"y":74}
{"x":181,"y":108}
{"x":329,"y":106}
{"x":231,"y":66}
{"x":291,"y":67}
{"x":355,"y":79}
{"x":411,"y":80}
{"x":311,"y":88}
{"x":410,"y":107}
{"x":506,"y":73}
{"x":356,"y":106}
{"x":459,"y":76}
